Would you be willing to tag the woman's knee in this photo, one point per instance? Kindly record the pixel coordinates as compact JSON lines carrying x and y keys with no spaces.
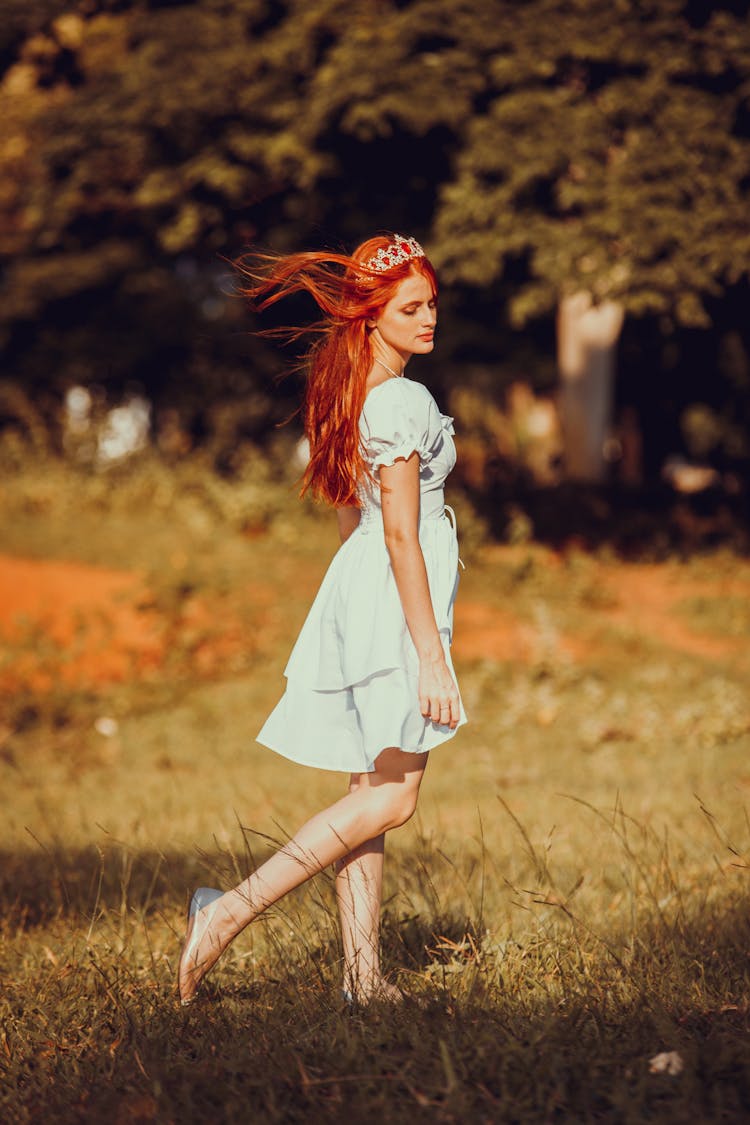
{"x":391,"y":792}
{"x":406,"y":809}
{"x":398,"y":805}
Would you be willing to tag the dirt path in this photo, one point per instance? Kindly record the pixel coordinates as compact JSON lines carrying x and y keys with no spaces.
{"x":648,"y":598}
{"x":642,"y":601}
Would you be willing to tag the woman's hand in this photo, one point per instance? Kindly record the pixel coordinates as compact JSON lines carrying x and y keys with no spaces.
{"x":438,"y":694}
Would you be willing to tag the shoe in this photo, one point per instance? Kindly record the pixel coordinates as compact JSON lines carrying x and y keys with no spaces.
{"x":202,"y":900}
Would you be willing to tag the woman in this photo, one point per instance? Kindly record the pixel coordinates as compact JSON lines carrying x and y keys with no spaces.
{"x":370,"y":683}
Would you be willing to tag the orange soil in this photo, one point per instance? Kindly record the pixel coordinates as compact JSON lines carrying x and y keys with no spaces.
{"x":90,"y":619}
{"x":77,"y":625}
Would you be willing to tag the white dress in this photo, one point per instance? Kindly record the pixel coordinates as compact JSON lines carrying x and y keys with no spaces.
{"x":353,"y":673}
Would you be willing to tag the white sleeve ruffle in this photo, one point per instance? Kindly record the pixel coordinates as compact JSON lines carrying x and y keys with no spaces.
{"x":400,"y":417}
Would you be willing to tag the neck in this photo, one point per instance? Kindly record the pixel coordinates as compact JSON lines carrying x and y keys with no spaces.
{"x":388,"y":357}
{"x":390,"y":370}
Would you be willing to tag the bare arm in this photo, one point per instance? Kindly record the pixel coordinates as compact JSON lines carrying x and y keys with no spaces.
{"x":348,"y":520}
{"x":438,"y":694}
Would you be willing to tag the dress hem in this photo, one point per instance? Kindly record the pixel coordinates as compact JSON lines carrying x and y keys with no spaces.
{"x":368,"y":767}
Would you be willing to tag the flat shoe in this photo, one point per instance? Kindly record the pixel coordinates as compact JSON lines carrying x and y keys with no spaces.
{"x":201,"y":901}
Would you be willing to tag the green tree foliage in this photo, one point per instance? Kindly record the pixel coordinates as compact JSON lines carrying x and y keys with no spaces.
{"x":138,"y":138}
{"x":130,"y":130}
{"x":571,"y":144}
{"x":608,"y":161}
{"x":595,"y":140}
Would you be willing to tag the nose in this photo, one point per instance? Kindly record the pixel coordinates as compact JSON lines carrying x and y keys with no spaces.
{"x":430,"y":317}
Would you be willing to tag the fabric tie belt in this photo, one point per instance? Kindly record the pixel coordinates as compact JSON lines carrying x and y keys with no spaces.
{"x":448,"y":511}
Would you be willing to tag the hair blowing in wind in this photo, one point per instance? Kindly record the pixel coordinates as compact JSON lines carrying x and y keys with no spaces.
{"x":340,"y":355}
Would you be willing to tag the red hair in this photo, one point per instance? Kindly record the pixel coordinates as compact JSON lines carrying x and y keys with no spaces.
{"x":339,"y":359}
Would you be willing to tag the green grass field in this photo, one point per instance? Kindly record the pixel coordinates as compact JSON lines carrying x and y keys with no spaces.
{"x":570,"y":901}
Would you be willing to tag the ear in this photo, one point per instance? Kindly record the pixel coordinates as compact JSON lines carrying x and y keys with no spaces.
{"x":370,"y":321}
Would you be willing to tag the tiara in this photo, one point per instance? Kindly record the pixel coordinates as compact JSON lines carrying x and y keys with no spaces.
{"x":396,"y":252}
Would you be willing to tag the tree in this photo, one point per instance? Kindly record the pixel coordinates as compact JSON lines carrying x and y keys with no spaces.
{"x":614,"y":169}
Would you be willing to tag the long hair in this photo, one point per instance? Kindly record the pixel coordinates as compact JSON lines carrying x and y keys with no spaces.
{"x":339,"y":357}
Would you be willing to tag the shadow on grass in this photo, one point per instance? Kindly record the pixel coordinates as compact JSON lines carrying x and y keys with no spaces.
{"x":545,"y":1028}
{"x":286,"y":1051}
{"x":53,"y":882}
{"x":56,"y":883}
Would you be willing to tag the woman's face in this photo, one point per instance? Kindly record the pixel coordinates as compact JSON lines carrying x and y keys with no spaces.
{"x":407,"y":323}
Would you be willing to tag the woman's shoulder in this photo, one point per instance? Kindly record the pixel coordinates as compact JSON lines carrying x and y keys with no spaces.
{"x":395,"y":393}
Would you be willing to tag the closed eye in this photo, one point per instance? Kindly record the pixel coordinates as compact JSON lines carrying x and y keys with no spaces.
{"x":409,"y":310}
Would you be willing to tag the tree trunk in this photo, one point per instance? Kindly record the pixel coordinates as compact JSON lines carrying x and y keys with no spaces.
{"x":586,"y":339}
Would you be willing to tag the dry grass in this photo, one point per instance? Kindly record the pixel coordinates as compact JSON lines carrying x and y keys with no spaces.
{"x":571,"y":900}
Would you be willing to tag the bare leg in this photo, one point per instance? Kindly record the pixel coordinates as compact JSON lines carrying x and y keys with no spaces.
{"x":382,"y":800}
{"x":359,"y":892}
{"x":359,"y":883}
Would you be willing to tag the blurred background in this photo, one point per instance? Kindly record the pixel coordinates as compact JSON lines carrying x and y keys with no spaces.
{"x":578,"y":171}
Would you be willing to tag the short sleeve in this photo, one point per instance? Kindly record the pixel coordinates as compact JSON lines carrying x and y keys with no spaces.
{"x":400,"y":417}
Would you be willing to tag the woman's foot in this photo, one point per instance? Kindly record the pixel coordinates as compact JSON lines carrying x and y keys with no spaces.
{"x":201,"y":949}
{"x":379,"y":991}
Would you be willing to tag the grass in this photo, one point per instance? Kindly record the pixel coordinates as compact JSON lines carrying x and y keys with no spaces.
{"x":571,"y":899}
